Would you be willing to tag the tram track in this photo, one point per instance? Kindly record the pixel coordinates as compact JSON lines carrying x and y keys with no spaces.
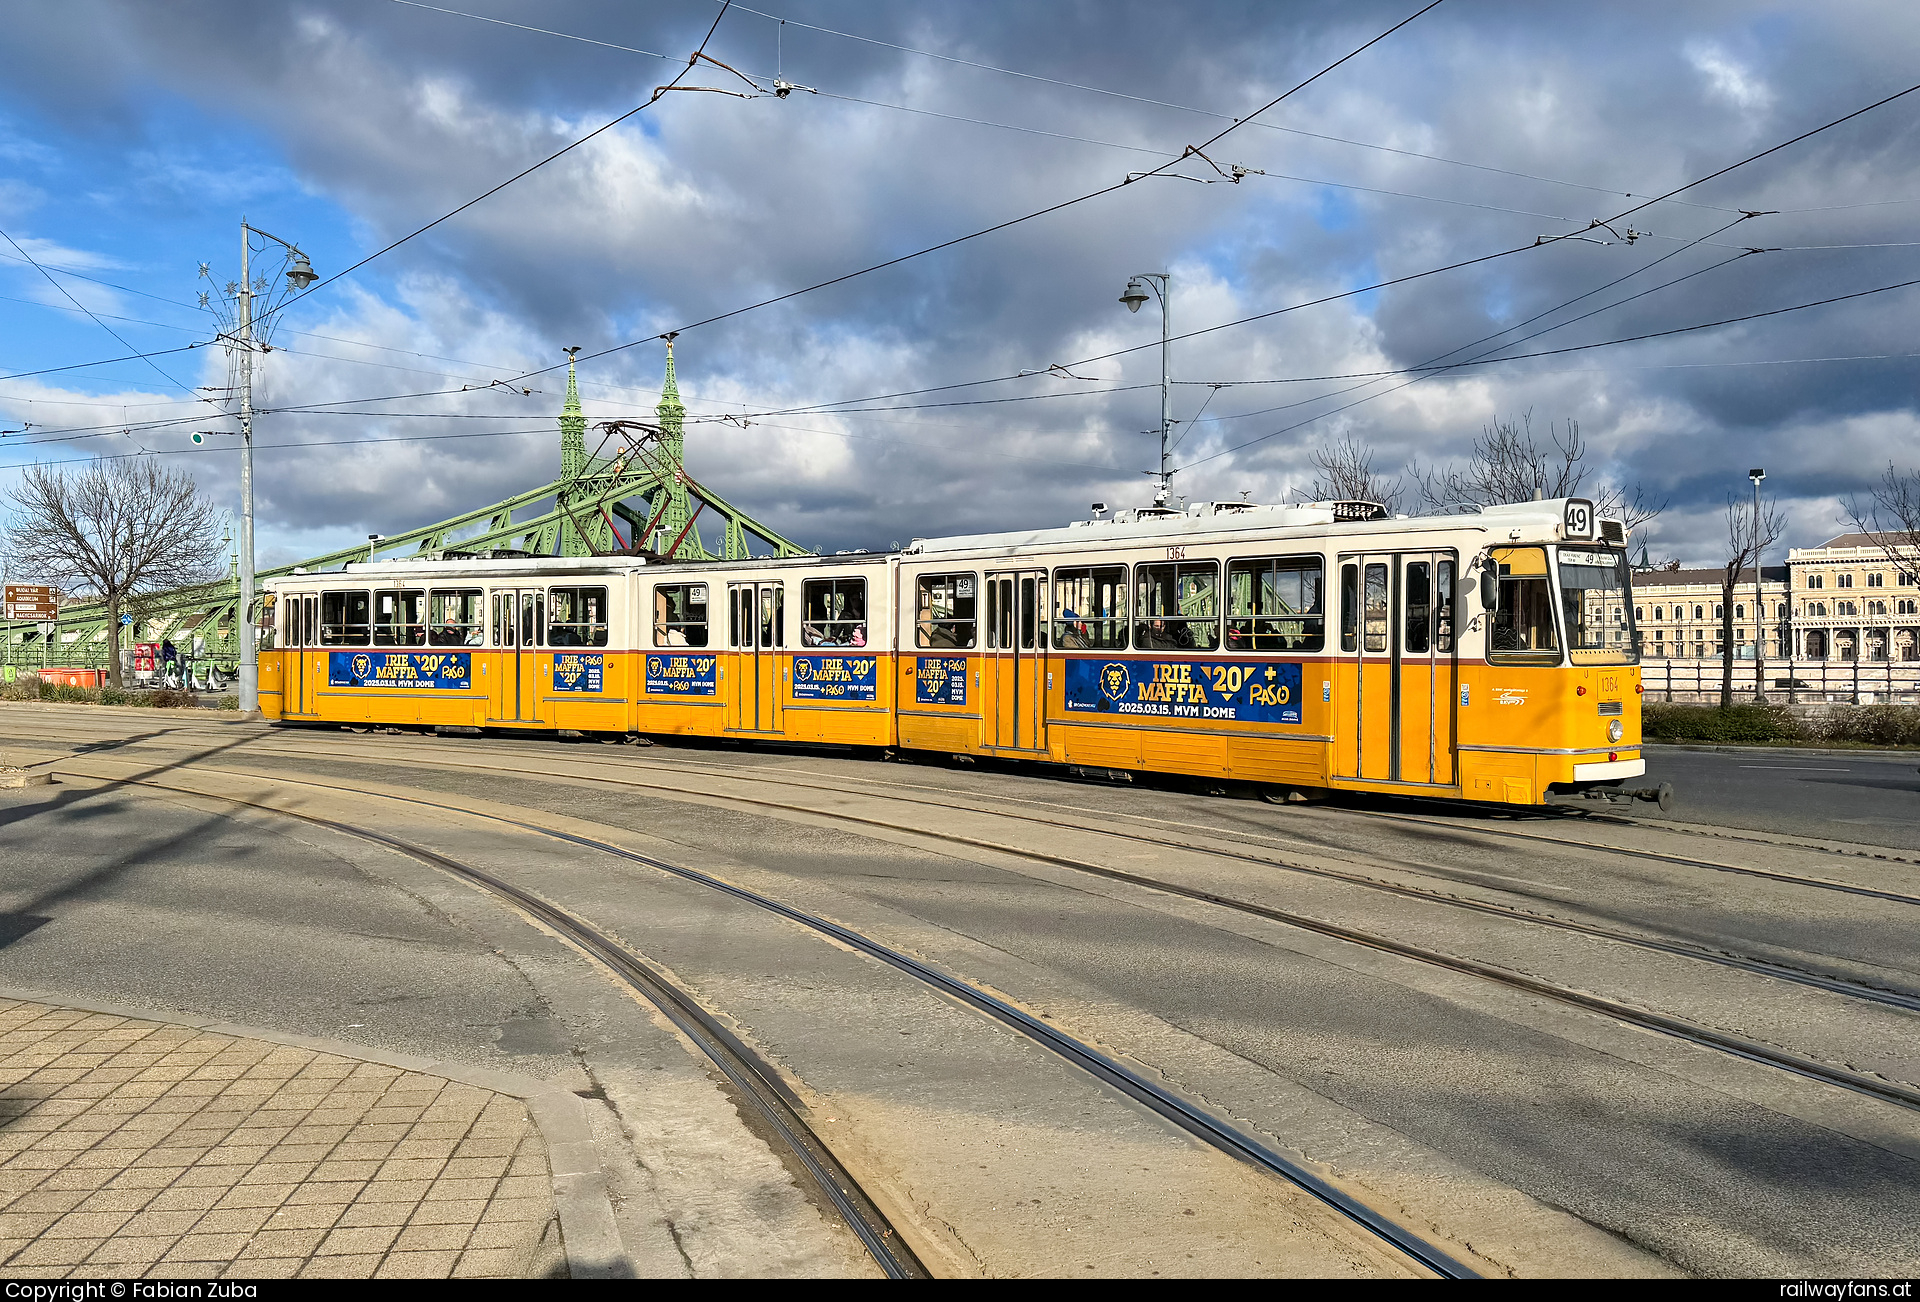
{"x":1886,"y":996}
{"x":761,"y":1083}
{"x":1682,"y":1029}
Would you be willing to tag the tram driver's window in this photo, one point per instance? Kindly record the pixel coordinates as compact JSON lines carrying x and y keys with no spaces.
{"x":400,"y":618}
{"x":680,"y":614}
{"x":1177,"y":606}
{"x":1274,"y":604}
{"x":454,"y":617}
{"x":836,"y":612}
{"x":945,"y":611}
{"x":344,"y":618}
{"x":576,"y":617}
{"x":1090,"y":609}
{"x":1523,"y":630}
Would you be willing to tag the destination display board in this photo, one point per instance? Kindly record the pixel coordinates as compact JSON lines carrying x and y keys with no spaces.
{"x":1244,"y":691}
{"x":940,"y":680}
{"x":835,"y":678}
{"x":35,"y":601}
{"x":413,"y":669}
{"x":682,"y":675}
{"x":576,"y":671}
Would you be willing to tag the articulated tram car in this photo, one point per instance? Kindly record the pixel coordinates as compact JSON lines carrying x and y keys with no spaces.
{"x":1484,"y":657}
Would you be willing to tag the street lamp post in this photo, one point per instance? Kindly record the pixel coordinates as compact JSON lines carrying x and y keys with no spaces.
{"x":1133,"y":297}
{"x":1759,"y":602}
{"x":299,"y":275}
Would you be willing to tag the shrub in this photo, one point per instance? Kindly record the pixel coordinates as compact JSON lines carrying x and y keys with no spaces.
{"x":230,"y":702}
{"x":1874,"y":725}
{"x":169,"y":698}
{"x":1665,"y":721}
{"x":117,"y":696}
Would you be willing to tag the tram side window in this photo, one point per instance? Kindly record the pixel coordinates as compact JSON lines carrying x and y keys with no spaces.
{"x":455,"y":616}
{"x":1274,"y":603}
{"x":836,"y":612}
{"x":400,"y":618}
{"x":1419,"y":607}
{"x":576,"y":617}
{"x":1177,"y":606}
{"x":1090,"y":608}
{"x":945,"y":611}
{"x":344,"y":618}
{"x":1349,"y":607}
{"x":1376,"y":630}
{"x":1523,"y":629}
{"x":680,"y":614}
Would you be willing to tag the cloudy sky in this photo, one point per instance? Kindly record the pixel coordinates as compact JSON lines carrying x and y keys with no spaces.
{"x":135,"y":134}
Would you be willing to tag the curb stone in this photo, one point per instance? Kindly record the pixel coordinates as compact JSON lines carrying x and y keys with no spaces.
{"x":589,"y":1235}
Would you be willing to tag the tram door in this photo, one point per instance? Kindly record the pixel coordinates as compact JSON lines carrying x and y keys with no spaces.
{"x":1014,"y":661}
{"x":519,"y":630}
{"x":303,"y":669}
{"x":756,"y":630}
{"x":1394,"y":722}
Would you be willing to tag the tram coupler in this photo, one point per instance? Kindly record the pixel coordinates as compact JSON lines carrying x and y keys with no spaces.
{"x":1661,"y":795}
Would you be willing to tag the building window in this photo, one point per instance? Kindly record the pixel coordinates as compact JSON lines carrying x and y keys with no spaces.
{"x":1718,"y":610}
{"x":1816,"y":581}
{"x":1907,"y":606}
{"x":1907,"y":580}
{"x":1844,"y":581}
{"x":1876,"y":607}
{"x":1845,"y":608}
{"x":1739,"y":610}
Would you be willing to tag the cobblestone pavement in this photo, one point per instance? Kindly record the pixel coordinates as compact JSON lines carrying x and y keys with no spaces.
{"x":133,"y":1148}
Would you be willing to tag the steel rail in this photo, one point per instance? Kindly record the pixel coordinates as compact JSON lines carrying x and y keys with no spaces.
{"x":1844,"y":987}
{"x":1190,"y":1117}
{"x":758,"y":1082}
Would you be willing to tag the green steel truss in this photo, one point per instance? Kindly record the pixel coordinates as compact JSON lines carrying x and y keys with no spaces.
{"x":631,"y":496}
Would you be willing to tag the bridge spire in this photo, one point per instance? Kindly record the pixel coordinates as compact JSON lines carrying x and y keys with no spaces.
{"x":573,"y":427}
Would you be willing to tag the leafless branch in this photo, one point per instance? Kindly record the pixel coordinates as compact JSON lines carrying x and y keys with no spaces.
{"x":114,"y":530}
{"x":1509,"y":464}
{"x":1891,"y":517}
{"x":1746,"y":543}
{"x":1344,"y":473}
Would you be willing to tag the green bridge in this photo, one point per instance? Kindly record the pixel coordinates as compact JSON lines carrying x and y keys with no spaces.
{"x":631,"y":495}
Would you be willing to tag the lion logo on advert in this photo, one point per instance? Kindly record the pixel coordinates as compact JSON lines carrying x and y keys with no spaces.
{"x":362,"y":666}
{"x":1114,"y":681}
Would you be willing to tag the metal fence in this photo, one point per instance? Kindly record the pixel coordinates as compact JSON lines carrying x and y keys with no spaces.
{"x":1841,"y":682}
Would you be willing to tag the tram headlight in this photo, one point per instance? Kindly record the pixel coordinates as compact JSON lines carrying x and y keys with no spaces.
{"x":1616,"y":730}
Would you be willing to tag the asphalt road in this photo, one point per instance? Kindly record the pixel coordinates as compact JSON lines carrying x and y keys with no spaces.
{"x":1370,"y":1064}
{"x":1843,"y":795}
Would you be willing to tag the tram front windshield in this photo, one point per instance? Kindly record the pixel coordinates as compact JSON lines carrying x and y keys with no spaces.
{"x":1596,"y":602}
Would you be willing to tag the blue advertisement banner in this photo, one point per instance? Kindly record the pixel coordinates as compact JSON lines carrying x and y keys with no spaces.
{"x":836,"y":678}
{"x":682,"y":675}
{"x":577,"y":672}
{"x":1243,"y":691}
{"x":442,"y":669}
{"x":940,"y":680}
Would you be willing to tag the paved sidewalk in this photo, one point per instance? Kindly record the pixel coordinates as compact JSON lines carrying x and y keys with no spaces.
{"x":133,"y":1148}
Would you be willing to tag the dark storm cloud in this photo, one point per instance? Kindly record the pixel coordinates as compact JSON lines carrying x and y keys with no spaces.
{"x":395,"y":114}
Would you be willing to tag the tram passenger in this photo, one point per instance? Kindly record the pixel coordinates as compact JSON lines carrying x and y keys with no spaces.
{"x":1073,"y":634}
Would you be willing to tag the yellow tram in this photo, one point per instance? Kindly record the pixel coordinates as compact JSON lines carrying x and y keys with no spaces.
{"x":1487,"y":656}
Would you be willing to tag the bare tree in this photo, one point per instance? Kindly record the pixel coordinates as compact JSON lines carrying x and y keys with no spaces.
{"x":1746,"y":542}
{"x":1343,"y":472}
{"x":114,"y":530}
{"x":1891,"y":517}
{"x":1509,"y":464}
